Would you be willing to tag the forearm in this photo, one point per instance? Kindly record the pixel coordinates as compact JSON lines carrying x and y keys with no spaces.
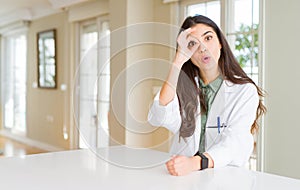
{"x":183,"y":54}
{"x":168,"y":89}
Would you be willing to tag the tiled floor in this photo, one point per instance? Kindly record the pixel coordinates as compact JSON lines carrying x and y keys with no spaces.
{"x":10,"y":147}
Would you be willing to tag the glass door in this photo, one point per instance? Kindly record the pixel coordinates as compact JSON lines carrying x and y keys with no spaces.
{"x":94,"y":83}
{"x":13,"y":82}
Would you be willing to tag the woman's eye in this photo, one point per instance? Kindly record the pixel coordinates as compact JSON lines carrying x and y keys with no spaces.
{"x":207,"y":38}
{"x":192,"y":43}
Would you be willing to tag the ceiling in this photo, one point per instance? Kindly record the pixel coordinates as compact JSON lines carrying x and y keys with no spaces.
{"x":14,"y":10}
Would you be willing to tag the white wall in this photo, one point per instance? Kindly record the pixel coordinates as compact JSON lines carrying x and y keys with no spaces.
{"x":130,"y":92}
{"x":139,"y":56}
{"x":136,"y":53}
{"x":282,"y":76}
{"x":48,"y":103}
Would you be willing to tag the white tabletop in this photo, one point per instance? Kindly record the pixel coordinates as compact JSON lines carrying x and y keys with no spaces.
{"x":124,"y":168}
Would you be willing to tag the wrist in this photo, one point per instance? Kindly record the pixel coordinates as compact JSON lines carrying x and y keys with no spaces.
{"x":179,"y":61}
{"x":196,"y":163}
{"x":204,"y":160}
{"x":178,"y":64}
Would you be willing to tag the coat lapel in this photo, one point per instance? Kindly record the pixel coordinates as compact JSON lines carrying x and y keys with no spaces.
{"x":218,"y":107}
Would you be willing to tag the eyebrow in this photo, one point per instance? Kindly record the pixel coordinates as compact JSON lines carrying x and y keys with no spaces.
{"x":206,"y":33}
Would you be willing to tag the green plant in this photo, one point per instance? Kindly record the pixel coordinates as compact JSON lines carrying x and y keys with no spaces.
{"x":243,"y":46}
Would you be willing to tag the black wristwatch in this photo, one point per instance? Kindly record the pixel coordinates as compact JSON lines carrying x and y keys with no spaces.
{"x":204,"y":160}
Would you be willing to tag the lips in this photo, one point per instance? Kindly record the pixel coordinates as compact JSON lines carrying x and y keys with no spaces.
{"x":205,"y":59}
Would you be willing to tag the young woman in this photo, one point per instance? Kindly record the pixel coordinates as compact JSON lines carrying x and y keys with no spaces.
{"x":207,"y":101}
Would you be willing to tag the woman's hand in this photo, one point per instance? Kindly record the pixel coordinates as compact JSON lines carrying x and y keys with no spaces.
{"x":187,"y":45}
{"x":182,"y":165}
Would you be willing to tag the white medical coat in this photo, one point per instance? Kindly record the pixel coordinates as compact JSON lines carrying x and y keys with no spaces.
{"x":235,"y":105}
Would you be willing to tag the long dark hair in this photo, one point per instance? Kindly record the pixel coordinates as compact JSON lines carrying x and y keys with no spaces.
{"x":187,"y":89}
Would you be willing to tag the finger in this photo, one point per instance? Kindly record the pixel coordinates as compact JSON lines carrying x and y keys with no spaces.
{"x":170,"y":162}
{"x":187,"y":44}
{"x":173,"y":158}
{"x":192,"y":43}
{"x":188,"y":31}
{"x":184,"y":34}
{"x":170,"y":167}
{"x":173,"y":172}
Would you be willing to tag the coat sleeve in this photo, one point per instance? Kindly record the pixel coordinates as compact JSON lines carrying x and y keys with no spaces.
{"x":236,"y":144}
{"x":166,"y":116}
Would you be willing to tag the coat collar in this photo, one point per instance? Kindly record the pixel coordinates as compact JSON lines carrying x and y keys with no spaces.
{"x":227,"y":85}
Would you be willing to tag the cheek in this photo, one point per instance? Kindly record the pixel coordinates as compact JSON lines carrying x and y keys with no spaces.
{"x":216,"y":53}
{"x":194,"y":59}
{"x":194,"y":56}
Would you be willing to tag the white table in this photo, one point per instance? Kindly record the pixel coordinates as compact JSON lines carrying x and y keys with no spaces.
{"x":113,"y":169}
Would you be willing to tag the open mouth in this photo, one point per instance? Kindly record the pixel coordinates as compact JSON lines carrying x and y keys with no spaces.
{"x":205,"y":59}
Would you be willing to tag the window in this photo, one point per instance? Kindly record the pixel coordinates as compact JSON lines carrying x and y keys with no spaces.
{"x":211,"y":9}
{"x":242,"y":34}
{"x":13,"y":82}
{"x":242,"y":24}
{"x":94,"y":83}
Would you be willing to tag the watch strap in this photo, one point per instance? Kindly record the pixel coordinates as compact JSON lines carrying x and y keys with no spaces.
{"x":203,"y":161}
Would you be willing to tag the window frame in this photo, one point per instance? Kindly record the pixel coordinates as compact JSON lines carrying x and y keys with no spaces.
{"x":7,"y":36}
{"x":98,"y":21}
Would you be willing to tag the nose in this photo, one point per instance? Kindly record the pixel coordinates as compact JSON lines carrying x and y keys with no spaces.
{"x":202,"y":47}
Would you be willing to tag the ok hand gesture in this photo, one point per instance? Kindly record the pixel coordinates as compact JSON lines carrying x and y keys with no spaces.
{"x":187,"y":45}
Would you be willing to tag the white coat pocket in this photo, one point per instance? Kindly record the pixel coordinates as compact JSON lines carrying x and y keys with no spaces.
{"x":214,"y":134}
